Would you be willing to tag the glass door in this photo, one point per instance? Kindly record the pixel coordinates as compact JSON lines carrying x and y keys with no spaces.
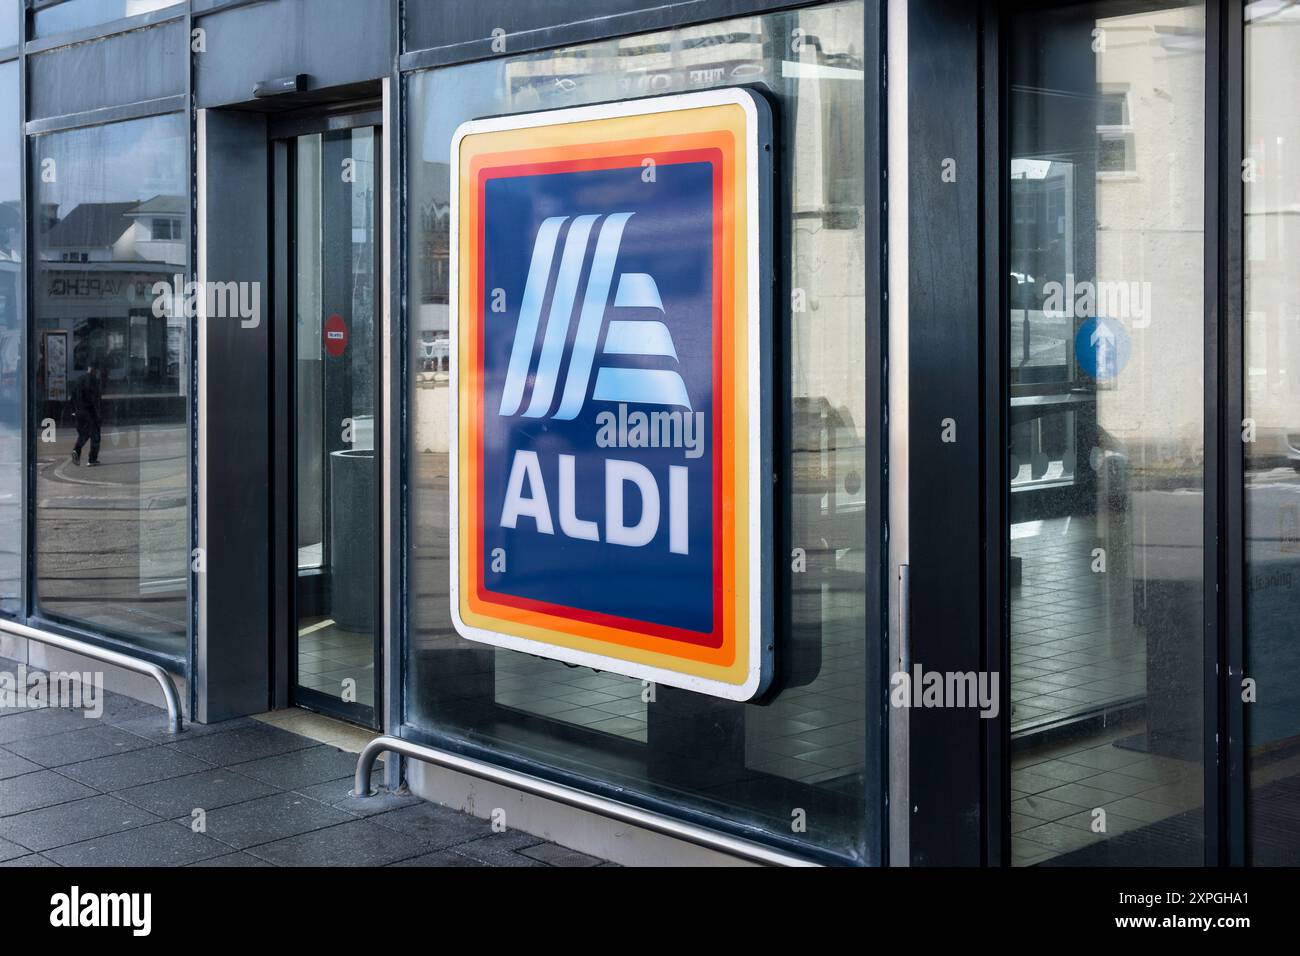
{"x":1105,"y":333}
{"x":334,"y":259}
{"x":1271,"y":360}
{"x":1129,"y":508}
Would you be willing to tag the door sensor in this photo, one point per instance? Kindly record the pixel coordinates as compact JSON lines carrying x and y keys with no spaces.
{"x":277,"y":87}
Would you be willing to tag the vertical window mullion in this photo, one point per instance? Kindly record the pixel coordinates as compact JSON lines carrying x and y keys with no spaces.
{"x":1231,"y":395}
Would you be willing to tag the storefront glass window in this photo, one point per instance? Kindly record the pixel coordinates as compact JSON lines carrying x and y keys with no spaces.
{"x":11,"y":345}
{"x":111,"y":388}
{"x":1272,"y":406}
{"x":1106,"y":326}
{"x":801,"y":764}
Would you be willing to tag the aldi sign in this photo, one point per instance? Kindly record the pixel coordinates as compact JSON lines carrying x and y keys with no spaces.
{"x":611,"y":462}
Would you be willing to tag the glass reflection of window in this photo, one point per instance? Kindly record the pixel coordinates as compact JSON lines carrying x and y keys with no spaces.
{"x":809,"y":747}
{"x":1106,"y":453}
{"x":112,"y":356}
{"x":1272,"y":402}
{"x":12,"y":340}
{"x":10,"y":11}
{"x":79,"y":14}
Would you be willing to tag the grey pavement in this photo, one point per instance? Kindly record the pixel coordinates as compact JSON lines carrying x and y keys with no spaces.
{"x":119,"y":790}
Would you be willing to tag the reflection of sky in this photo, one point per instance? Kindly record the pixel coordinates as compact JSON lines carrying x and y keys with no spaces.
{"x":479,"y":90}
{"x":8,"y":22}
{"x":1272,"y":10}
{"x":119,"y":162}
{"x":8,"y":130}
{"x":75,"y":14}
{"x":11,"y":470}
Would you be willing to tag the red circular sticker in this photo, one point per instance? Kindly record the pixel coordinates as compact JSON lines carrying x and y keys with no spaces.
{"x":335,"y":335}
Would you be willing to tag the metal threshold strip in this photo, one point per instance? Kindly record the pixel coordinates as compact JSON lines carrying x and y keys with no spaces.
{"x":579,"y":799}
{"x":118,"y":659}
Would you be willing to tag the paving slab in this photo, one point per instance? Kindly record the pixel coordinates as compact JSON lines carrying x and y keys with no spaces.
{"x":73,"y":822}
{"x":271,"y":818}
{"x":121,"y":771}
{"x":160,"y":844}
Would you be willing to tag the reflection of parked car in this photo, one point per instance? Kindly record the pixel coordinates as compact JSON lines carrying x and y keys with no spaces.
{"x":11,"y":343}
{"x":1290,"y":446}
{"x":828,"y":483}
{"x":1273,"y":395}
{"x":829,"y":459}
{"x":433,"y":355}
{"x":1274,"y":445}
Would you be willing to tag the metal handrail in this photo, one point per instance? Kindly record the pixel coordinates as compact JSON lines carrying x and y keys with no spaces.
{"x":117,"y":658}
{"x":614,"y":810}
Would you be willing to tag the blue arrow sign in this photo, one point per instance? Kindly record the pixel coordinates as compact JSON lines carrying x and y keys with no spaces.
{"x":1103,"y":348}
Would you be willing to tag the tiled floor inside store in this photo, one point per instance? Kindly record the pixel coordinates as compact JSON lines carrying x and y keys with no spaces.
{"x":119,"y":790}
{"x":1074,"y":648}
{"x":1056,"y":789}
{"x":814,"y":734}
{"x":1076,"y":654}
{"x":328,"y":656}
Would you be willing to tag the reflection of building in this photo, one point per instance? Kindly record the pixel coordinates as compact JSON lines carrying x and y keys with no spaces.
{"x":92,"y":232}
{"x":11,"y":339}
{"x":11,"y":230}
{"x":431,"y":238}
{"x":1272,"y":233}
{"x":104,"y":260}
{"x":158,"y":227}
{"x":1150,"y":220}
{"x":1271,"y":226}
{"x":1106,"y":194}
{"x":152,"y":231}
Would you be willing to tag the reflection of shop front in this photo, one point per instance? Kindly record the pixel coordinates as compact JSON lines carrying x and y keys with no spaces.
{"x":103,"y":314}
{"x":11,"y":341}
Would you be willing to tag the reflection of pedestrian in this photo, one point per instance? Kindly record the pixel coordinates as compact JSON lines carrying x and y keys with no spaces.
{"x":86,"y":398}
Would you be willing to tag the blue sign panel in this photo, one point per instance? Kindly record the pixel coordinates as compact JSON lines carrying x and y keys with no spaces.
{"x":645,"y":252}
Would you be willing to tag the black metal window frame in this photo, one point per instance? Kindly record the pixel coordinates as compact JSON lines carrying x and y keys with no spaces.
{"x":10,"y":55}
{"x":1224,"y":742}
{"x":283,"y":133}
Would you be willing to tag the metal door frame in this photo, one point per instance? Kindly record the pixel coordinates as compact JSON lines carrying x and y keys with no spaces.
{"x":958,"y":57}
{"x":282,"y":134}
